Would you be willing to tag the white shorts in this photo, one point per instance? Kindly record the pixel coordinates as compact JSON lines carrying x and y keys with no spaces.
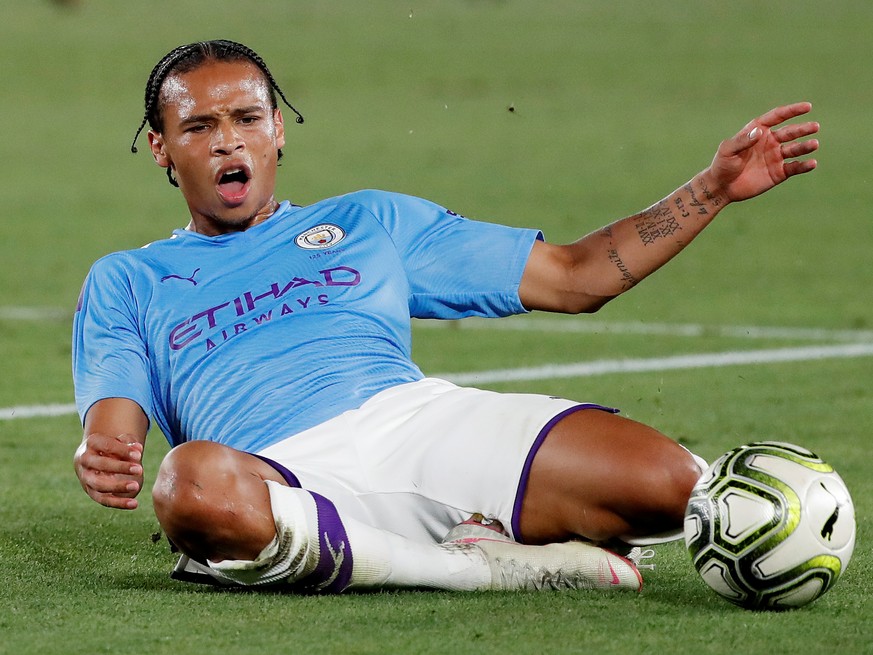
{"x":421,"y":457}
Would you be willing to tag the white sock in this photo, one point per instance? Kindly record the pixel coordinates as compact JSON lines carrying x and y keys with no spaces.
{"x":318,"y":551}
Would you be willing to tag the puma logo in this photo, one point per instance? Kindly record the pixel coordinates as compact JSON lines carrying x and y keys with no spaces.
{"x":179,"y":277}
{"x":827,"y":531}
{"x":338,"y":557}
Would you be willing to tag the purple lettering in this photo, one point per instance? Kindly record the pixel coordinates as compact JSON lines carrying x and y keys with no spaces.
{"x":302,"y":281}
{"x":210,"y":313}
{"x":331,"y":281}
{"x":251,"y":300}
{"x":194,"y":327}
{"x":184,"y":329}
{"x":296,"y":282}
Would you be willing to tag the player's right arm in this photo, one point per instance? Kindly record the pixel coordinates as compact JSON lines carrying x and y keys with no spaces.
{"x":584,"y":275}
{"x":108,"y":462}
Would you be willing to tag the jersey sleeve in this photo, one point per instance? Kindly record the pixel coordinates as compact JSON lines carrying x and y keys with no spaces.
{"x":456,"y":267}
{"x":110,"y":358}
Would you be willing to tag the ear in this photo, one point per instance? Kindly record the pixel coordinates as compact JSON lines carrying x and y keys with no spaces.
{"x":156,"y":143}
{"x":280,"y":128}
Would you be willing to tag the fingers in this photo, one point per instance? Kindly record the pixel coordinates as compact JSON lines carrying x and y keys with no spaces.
{"x":795,"y":131}
{"x":799,"y":148}
{"x":110,"y":469}
{"x":115,"y":501}
{"x":755,"y":129}
{"x":799,"y":167}
{"x":781,"y":114}
{"x":111,"y":454}
{"x":790,"y":136}
{"x":792,"y":147}
{"x":111,"y":490}
{"x":765,"y":153}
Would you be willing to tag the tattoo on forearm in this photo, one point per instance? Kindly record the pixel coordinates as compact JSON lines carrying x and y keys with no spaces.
{"x":656,"y":222}
{"x":626,"y":275}
{"x":701,"y":208}
{"x":714,"y":200}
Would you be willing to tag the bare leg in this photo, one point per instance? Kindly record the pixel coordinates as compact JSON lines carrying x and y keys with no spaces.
{"x":212,"y":502}
{"x":604,"y":477}
{"x":231,"y":510}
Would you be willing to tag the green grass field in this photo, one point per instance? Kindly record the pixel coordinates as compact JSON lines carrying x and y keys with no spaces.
{"x":613,"y":104}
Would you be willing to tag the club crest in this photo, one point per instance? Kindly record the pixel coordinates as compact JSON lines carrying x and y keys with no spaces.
{"x":320,"y":236}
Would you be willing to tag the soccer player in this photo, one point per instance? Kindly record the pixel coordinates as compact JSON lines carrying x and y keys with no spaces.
{"x":270,"y":343}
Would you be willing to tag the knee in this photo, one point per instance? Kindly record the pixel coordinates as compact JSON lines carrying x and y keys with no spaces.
{"x":182,"y":498}
{"x":210,"y":505}
{"x":673,"y":478}
{"x":178,"y":487}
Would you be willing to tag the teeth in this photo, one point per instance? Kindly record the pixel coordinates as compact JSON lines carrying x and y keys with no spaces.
{"x":230,"y":172}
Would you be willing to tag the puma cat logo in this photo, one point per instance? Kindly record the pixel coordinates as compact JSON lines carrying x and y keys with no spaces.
{"x":179,"y":277}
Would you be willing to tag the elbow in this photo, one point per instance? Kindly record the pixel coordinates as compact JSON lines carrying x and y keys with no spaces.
{"x":594,"y":305}
{"x":580,"y":303}
{"x":561,"y":279}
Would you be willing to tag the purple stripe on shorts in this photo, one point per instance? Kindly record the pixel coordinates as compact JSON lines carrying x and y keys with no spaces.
{"x":525,"y":471}
{"x":333,"y":572}
{"x":289,"y":477}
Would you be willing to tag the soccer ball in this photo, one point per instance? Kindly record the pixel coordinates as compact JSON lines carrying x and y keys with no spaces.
{"x":770,"y":526}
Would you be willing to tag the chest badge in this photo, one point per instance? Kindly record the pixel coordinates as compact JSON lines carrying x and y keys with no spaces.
{"x":319,"y":237}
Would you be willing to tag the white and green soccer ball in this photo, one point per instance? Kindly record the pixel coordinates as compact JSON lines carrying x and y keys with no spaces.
{"x":770,"y":526}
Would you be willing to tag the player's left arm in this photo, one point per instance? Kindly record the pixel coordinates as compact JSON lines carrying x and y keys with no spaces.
{"x":108,"y":462}
{"x":585,"y":275}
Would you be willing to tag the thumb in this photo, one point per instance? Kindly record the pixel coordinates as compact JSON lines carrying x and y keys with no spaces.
{"x":744,"y":139}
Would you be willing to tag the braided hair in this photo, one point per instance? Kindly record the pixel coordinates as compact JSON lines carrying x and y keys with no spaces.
{"x":187,"y":58}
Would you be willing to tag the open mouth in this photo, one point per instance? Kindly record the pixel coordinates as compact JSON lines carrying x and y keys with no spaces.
{"x":233,"y":184}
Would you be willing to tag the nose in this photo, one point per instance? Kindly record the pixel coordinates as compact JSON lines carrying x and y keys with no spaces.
{"x":226,"y":140}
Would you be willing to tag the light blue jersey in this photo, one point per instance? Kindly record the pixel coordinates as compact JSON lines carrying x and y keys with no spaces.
{"x":250,"y":337}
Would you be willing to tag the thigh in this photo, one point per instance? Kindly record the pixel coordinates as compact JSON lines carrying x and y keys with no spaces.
{"x":465,"y":450}
{"x":601,"y":477}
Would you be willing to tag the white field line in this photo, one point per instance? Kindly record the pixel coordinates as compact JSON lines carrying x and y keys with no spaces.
{"x":13,"y":313}
{"x":36,"y":411}
{"x":585,"y":369}
{"x":705,"y":360}
{"x":581,"y":325}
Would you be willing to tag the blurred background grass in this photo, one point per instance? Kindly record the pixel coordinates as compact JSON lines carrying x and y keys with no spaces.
{"x":559,"y":115}
{"x":614,"y":104}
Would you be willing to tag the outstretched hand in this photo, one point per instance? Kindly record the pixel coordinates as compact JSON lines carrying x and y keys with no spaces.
{"x":763,"y":155}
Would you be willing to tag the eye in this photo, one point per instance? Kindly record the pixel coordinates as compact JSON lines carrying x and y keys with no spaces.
{"x":197,"y":129}
{"x":249,"y":120}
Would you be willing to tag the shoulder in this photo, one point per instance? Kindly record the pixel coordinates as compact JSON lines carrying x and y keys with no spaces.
{"x":376,"y":201}
{"x":391,"y":210}
{"x":120,"y":262}
{"x":405,"y":218}
{"x":133,"y":262}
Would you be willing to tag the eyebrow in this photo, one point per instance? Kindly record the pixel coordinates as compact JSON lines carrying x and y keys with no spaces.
{"x":203,"y":118}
